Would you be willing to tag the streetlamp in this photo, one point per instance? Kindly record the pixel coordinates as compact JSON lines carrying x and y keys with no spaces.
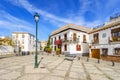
{"x":36,"y":17}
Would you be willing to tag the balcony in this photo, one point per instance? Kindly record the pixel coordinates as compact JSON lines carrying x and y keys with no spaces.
{"x":95,"y":42}
{"x":74,"y":41}
{"x":70,"y":40}
{"x":65,"y":40}
{"x":115,"y":39}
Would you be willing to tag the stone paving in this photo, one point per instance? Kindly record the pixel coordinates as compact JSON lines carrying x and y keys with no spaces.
{"x":55,"y":68}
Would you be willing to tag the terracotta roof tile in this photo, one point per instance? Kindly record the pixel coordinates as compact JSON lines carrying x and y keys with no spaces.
{"x":73,"y":26}
{"x":105,"y":27}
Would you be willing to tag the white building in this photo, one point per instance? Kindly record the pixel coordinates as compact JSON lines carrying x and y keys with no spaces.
{"x":106,"y":39}
{"x":71,"y":39}
{"x":25,"y":42}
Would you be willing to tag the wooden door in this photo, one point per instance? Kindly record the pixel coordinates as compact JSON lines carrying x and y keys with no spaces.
{"x":95,"y":53}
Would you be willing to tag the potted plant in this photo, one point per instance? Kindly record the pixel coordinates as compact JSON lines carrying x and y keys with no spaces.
{"x":49,"y":50}
{"x":57,"y":51}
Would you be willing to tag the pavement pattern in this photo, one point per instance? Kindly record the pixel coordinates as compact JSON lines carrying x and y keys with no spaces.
{"x":55,"y":68}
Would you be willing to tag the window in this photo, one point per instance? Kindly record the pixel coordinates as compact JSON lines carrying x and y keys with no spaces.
{"x":117,"y":51}
{"x":22,"y":41}
{"x":55,"y":38}
{"x":84,"y":38}
{"x":16,"y":35}
{"x":65,"y":37}
{"x":65,"y":47}
{"x":96,"y":38}
{"x":74,"y":36}
{"x":119,"y":34}
{"x":23,"y":36}
{"x":59,"y":37}
{"x":115,"y":34}
{"x":22,"y":47}
{"x":105,"y":51}
{"x":78,"y":47}
{"x":103,"y":35}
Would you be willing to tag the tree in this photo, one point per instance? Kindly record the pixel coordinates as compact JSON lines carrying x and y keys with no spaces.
{"x":47,"y":48}
{"x":48,"y":42}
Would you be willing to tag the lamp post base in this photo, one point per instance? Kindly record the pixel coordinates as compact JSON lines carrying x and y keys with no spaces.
{"x":36,"y":66}
{"x":36,"y":62}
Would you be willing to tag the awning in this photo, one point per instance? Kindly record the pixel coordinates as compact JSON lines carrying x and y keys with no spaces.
{"x":58,"y":42}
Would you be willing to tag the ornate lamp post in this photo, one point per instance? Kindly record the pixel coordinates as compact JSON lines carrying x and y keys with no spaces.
{"x":36,"y":17}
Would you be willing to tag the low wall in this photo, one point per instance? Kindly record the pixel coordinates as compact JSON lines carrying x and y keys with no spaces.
{"x":101,"y":61}
{"x":114,"y":58}
{"x":7,"y":55}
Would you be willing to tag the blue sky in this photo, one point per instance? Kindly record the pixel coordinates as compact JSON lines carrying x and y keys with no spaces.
{"x":17,"y":15}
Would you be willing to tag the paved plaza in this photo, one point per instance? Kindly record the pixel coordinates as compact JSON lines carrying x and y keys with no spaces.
{"x":55,"y":68}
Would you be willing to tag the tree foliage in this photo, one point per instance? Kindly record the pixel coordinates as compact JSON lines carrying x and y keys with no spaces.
{"x":47,"y":48}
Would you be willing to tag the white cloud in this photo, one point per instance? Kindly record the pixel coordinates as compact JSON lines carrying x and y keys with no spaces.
{"x":71,"y":17}
{"x":94,"y":23}
{"x":85,"y":4}
{"x":33,"y":9}
{"x":76,"y":17}
{"x":30,"y":8}
{"x":12,"y":23}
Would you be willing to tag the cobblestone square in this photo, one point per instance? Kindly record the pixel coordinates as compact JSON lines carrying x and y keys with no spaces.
{"x":55,"y":68}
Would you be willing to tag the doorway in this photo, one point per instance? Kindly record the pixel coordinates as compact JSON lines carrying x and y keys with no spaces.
{"x":95,"y":53}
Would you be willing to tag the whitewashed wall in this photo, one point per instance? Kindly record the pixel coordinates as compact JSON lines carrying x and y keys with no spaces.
{"x":71,"y":47}
{"x":27,"y":45}
{"x":104,"y":41}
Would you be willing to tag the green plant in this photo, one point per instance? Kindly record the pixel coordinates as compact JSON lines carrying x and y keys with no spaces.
{"x":115,"y":39}
{"x":49,"y":49}
{"x":57,"y":49}
{"x":48,"y":42}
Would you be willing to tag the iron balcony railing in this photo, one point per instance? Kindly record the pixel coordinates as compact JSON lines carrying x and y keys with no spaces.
{"x":70,"y":40}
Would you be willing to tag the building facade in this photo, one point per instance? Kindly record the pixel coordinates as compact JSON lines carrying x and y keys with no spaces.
{"x":71,"y":40}
{"x":43,"y":44}
{"x":24,"y":42}
{"x":106,"y":39}
{"x":4,"y":40}
{"x":6,"y":47}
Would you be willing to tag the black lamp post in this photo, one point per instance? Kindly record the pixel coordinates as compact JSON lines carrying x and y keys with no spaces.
{"x":36,"y":17}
